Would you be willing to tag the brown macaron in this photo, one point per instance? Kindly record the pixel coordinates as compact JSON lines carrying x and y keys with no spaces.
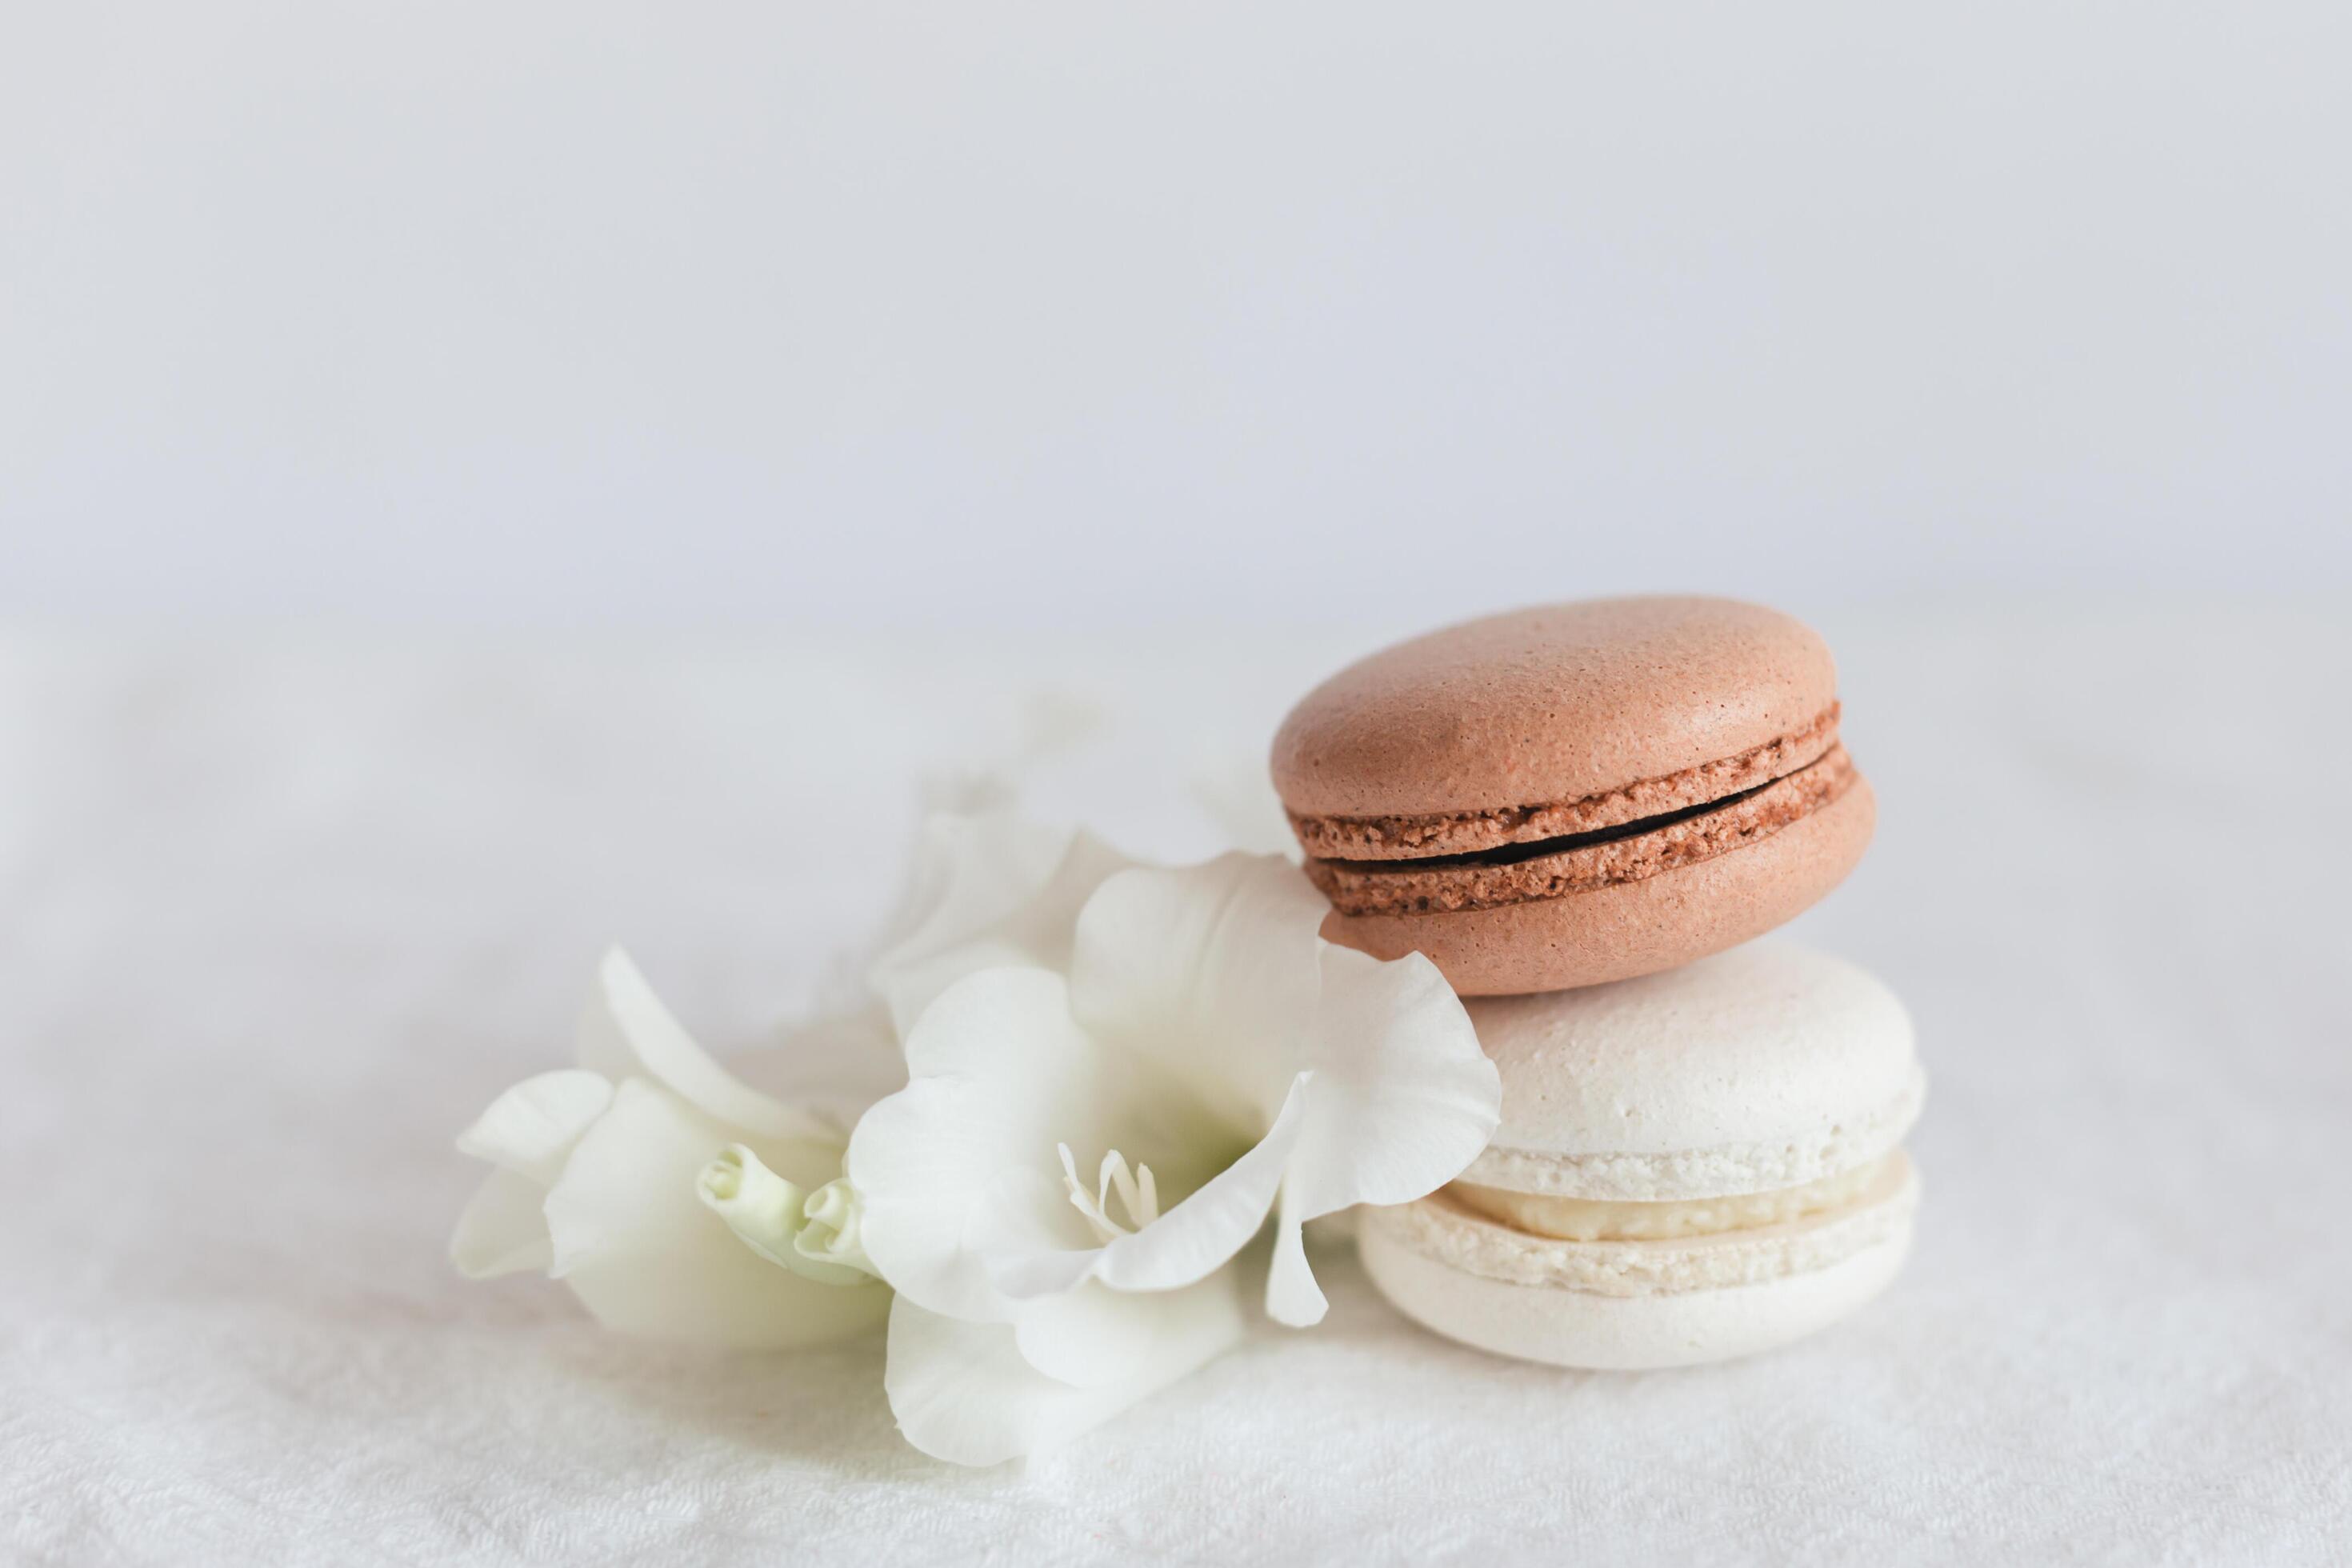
{"x":1577,"y":793}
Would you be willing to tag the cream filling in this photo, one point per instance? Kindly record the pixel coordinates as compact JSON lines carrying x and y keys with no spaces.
{"x":1589,"y":1219}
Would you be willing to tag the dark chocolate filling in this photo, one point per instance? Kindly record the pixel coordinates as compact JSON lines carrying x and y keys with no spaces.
{"x":1512,"y":854}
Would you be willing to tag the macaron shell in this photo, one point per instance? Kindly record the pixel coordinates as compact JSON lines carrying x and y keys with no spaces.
{"x":1566,"y":1327}
{"x":1772,"y":1066}
{"x":1552,"y":703}
{"x":1630,"y":928}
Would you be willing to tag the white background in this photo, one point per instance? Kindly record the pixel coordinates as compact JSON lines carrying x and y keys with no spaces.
{"x":482,"y":482}
{"x":1098,"y":316}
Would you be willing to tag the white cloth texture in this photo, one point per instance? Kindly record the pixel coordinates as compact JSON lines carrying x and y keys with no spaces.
{"x":279,"y":916}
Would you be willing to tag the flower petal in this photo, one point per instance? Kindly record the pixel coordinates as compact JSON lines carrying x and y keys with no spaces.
{"x":1001,"y":1074}
{"x":531,"y":1128}
{"x":1403,"y":1097}
{"x":625,"y":1032}
{"x":1208,"y":970}
{"x":1401,"y":1101}
{"x":1002,"y":890}
{"x":1192,"y":1240}
{"x":1094,"y":1336}
{"x":631,"y":1236}
{"x":971,"y":869}
{"x":963,"y":1392}
{"x":1029,"y":1238}
{"x":1292,"y":1296}
{"x":503,"y":1229}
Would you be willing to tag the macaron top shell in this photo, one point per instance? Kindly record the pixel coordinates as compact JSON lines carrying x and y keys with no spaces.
{"x":1554,"y":704}
{"x":1769,"y":1066}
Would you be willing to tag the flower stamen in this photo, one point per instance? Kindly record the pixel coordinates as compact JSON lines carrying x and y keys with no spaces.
{"x":1138,"y":1194}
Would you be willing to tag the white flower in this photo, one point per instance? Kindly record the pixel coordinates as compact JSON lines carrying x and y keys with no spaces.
{"x":988,"y":888}
{"x":1097,"y":1124}
{"x":600,"y":1181}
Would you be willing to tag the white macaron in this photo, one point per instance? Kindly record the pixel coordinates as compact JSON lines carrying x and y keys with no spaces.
{"x":1690,"y":1167}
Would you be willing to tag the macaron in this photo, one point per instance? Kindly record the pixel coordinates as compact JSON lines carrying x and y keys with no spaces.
{"x":1576,"y":793}
{"x":1690,"y":1167}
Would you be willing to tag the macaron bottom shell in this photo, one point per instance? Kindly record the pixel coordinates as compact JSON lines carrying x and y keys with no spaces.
{"x":1795,"y":1280}
{"x":1635,"y":928}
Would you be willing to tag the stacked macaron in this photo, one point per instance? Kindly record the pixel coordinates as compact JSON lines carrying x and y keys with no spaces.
{"x":1575,"y":811}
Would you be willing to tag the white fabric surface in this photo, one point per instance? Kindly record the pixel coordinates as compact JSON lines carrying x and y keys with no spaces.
{"x":279,"y":919}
